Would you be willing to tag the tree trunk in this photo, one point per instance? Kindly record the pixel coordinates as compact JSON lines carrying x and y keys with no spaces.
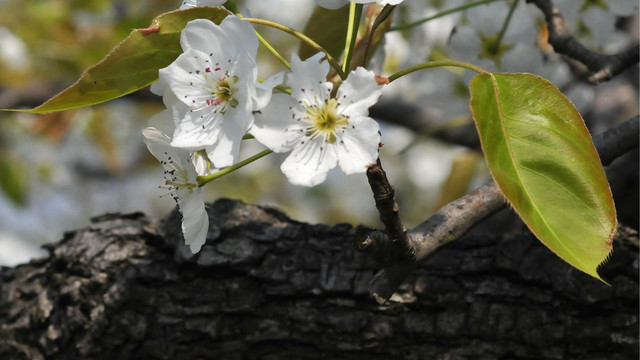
{"x":267,"y":287}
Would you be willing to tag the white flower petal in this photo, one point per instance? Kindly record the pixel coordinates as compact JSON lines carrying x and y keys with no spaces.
{"x":202,"y":163}
{"x":358,"y":92}
{"x":308,"y":79}
{"x":276,"y":127}
{"x":243,"y":33}
{"x":308,"y":164}
{"x":196,"y":3}
{"x":169,"y":98}
{"x":205,"y":36}
{"x":158,"y":87}
{"x":232,"y":36}
{"x":163,"y":121}
{"x":195,"y":221}
{"x":195,"y":129}
{"x":245,"y":92}
{"x":359,"y":146}
{"x":159,"y":146}
{"x":226,"y":150}
{"x":186,"y":78}
{"x":265,"y":89}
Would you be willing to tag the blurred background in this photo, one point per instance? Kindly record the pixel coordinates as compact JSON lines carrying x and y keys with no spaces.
{"x":58,"y":170}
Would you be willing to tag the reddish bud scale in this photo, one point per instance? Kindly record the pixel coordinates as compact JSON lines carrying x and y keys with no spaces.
{"x":150,"y":30}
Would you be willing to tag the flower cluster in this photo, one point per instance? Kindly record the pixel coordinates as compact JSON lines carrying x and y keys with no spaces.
{"x":214,"y":98}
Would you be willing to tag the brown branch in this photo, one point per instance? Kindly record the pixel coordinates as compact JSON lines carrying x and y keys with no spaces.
{"x":617,"y":140}
{"x":456,"y":218}
{"x":399,"y":248}
{"x":602,"y":67}
{"x":268,"y":287}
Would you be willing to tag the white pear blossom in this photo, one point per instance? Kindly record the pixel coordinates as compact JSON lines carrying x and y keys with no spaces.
{"x":517,"y":51}
{"x":215,"y":83}
{"x":593,"y":22}
{"x":321,"y":131}
{"x":197,"y":3}
{"x":335,"y":4}
{"x":180,"y":180}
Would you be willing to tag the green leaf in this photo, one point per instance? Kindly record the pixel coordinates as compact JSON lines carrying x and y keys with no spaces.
{"x":131,"y":65}
{"x":13,"y":180}
{"x":541,"y":156}
{"x":329,"y":29}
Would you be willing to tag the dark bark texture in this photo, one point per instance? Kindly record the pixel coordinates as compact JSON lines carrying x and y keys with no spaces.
{"x":267,"y":287}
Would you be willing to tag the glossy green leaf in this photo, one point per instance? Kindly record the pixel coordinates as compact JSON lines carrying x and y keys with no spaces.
{"x":542,"y":158}
{"x":328,"y":28}
{"x":131,"y":65}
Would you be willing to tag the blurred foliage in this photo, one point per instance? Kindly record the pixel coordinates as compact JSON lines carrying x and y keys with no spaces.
{"x":56,"y":40}
{"x":64,"y":38}
{"x":12,"y":179}
{"x":328,"y":29}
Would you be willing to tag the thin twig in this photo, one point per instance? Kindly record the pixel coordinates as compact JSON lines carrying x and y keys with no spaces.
{"x":384,"y":196}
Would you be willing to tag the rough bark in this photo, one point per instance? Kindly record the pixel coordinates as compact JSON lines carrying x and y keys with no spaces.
{"x":267,"y":287}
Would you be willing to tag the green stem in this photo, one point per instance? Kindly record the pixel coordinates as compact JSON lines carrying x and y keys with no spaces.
{"x":283,"y":89}
{"x":273,"y":51}
{"x":441,"y":14}
{"x":280,"y":87}
{"x":493,"y":48}
{"x":439,"y":63}
{"x":265,"y":43}
{"x":355,"y":11}
{"x":302,"y":37}
{"x":202,"y":180}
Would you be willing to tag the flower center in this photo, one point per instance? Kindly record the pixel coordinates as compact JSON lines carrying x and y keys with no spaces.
{"x":324,"y":120}
{"x":222,"y":91}
{"x":176,"y":178}
{"x":493,"y":50}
